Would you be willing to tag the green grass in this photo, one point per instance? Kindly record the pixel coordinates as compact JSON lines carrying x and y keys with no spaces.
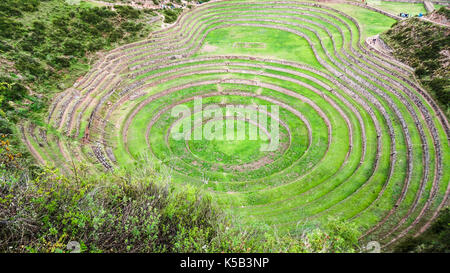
{"x":224,"y":42}
{"x":327,"y":162}
{"x":372,"y":22}
{"x":413,"y":9}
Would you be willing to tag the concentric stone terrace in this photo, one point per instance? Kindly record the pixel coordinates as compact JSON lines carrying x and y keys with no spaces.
{"x":359,"y":138}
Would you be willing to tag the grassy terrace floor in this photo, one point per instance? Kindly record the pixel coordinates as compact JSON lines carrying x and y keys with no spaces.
{"x":413,"y":9}
{"x":359,"y":140}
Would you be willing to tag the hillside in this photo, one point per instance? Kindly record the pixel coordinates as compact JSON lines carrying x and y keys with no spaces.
{"x":425,"y":47}
{"x":221,"y":126}
{"x":46,"y":45}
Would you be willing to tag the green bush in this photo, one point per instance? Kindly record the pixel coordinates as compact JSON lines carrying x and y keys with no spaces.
{"x":131,"y":27}
{"x":441,"y":88}
{"x":127,"y":12}
{"x":47,"y":50}
{"x":9,"y":28}
{"x":171,"y":15}
{"x":15,"y":8}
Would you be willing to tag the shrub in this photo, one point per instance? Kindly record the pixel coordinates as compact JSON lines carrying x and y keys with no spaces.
{"x":127,"y":12}
{"x":31,"y":66}
{"x":171,"y":15}
{"x":441,"y":88}
{"x":73,"y":47}
{"x":131,"y":27}
{"x":9,"y":28}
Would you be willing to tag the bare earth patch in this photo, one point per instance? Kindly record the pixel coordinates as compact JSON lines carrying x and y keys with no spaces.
{"x":209,"y":48}
{"x":249,"y":45}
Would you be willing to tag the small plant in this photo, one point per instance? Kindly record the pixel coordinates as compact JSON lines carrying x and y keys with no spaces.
{"x":171,"y":14}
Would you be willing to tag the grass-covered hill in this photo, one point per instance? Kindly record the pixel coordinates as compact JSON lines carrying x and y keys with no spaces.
{"x":46,"y":44}
{"x":435,"y":240}
{"x":426,"y":47}
{"x":89,"y":92}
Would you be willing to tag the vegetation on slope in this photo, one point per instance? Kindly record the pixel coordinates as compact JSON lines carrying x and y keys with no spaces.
{"x":413,"y":9}
{"x":45,"y":43}
{"x":171,"y":15}
{"x":171,"y":9}
{"x":426,"y":47}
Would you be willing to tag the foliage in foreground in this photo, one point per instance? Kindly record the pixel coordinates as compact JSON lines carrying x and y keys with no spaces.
{"x":171,"y":15}
{"x":134,"y":210}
